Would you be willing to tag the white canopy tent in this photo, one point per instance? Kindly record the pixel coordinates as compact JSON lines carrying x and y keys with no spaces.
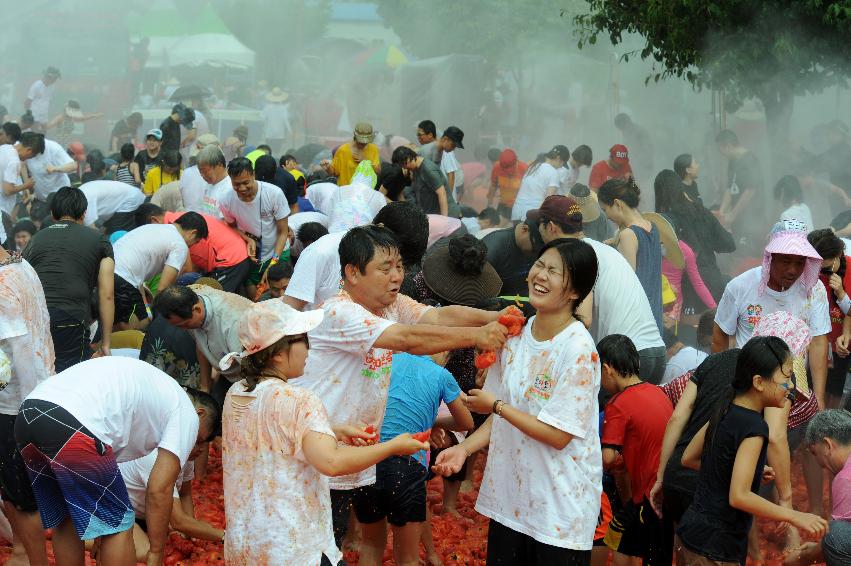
{"x":202,"y":49}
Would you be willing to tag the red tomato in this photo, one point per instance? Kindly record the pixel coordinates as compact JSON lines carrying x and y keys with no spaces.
{"x":422,"y":436}
{"x":484,"y":360}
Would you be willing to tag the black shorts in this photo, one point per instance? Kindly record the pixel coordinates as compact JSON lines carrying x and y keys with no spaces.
{"x":399,"y":493}
{"x":675,"y":503}
{"x":71,"y":339}
{"x":231,"y":278}
{"x":507,"y":547}
{"x":836,"y":375}
{"x":14,"y":482}
{"x":637,"y":531}
{"x":128,"y":301}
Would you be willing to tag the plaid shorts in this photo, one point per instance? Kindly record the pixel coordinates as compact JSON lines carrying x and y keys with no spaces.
{"x":73,"y":474}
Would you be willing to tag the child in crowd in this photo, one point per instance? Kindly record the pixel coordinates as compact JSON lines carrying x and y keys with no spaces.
{"x":730,"y":451}
{"x":278,"y":447}
{"x":23,"y":231}
{"x":634,"y":425}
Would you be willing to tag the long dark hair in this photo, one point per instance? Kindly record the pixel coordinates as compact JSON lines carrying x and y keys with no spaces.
{"x":762,"y":355}
{"x":580,"y":266}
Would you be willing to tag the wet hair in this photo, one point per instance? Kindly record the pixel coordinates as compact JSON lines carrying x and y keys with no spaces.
{"x":194,"y":221}
{"x":265,"y":147}
{"x":762,"y":355}
{"x":409,"y":224}
{"x":841,"y":220}
{"x":669,"y":337}
{"x":70,"y":202}
{"x":788,"y":190}
{"x":33,"y":141}
{"x":239,"y":166}
{"x":681,"y":163}
{"x":727,"y":137}
{"x":211,"y":155}
{"x":309,"y":232}
{"x":583,"y":155}
{"x":27,"y":119}
{"x":200,"y":399}
{"x":580,"y":267}
{"x":282,"y":270}
{"x":622,"y":121}
{"x":619,"y":352}
{"x":176,"y":300}
{"x":827,"y":244}
{"x":145,"y":212}
{"x":467,"y":255}
{"x":97,"y":163}
{"x":393,"y":179}
{"x":171,"y":158}
{"x":25,"y":225}
{"x":830,"y":423}
{"x":252,"y":366}
{"x":428,"y":127}
{"x":668,"y":189}
{"x":127,"y":152}
{"x":358,"y":246}
{"x":12,"y":131}
{"x":704,"y":328}
{"x":402,"y":155}
{"x":625,"y":190}
{"x":265,"y":168}
{"x":491,"y":215}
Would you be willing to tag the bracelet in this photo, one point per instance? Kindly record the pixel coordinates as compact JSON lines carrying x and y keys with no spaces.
{"x":223,"y":535}
{"x":497,"y":407}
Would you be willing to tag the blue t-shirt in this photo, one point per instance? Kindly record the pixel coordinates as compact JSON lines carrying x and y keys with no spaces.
{"x":417,"y":386}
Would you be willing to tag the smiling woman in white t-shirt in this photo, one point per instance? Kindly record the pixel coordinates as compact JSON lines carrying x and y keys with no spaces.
{"x":542,"y":482}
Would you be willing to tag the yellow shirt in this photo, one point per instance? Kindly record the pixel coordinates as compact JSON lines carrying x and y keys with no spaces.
{"x":344,"y":164}
{"x":156,"y":179}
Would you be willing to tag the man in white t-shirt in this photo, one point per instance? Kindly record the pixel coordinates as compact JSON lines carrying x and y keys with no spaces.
{"x":26,"y":344}
{"x":788,"y":280}
{"x":111,"y":204}
{"x":49,"y":169}
{"x":153,"y":249}
{"x":81,"y":423}
{"x":136,"y":475}
{"x":259,"y":211}
{"x":451,"y":139}
{"x":10,"y":133}
{"x":203,"y":185}
{"x":618,"y":303}
{"x":351,"y":351}
{"x":39,"y":95}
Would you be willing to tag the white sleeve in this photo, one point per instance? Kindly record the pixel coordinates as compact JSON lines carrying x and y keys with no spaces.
{"x":59,"y":155}
{"x":12,"y":174}
{"x":177,"y":255}
{"x":91,"y":210}
{"x":553,"y":179}
{"x":349,"y":327}
{"x":223,"y":208}
{"x":181,"y":432}
{"x":32,"y":93}
{"x":304,"y":284}
{"x":727,"y":313}
{"x":281,"y":209}
{"x":820,"y":313}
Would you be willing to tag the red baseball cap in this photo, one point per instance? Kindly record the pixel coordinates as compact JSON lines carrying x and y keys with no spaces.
{"x":619,"y":154}
{"x":507,"y":159}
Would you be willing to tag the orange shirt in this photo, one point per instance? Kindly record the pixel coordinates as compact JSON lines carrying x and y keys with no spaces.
{"x":508,"y":181}
{"x":222,"y":248}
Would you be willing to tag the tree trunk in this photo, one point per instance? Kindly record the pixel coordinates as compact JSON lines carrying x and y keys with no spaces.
{"x":778,"y":105}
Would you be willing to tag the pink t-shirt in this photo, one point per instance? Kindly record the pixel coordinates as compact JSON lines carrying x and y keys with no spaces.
{"x":440,"y":227}
{"x":222,"y":248}
{"x":840,"y":493}
{"x":675,"y":278}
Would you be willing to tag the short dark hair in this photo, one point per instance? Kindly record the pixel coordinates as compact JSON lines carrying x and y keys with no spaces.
{"x":428,"y":127}
{"x":145,"y":212}
{"x":214,"y":410}
{"x":681,"y":163}
{"x":171,"y":158}
{"x":727,"y":137}
{"x":265,"y":168}
{"x":493,"y":154}
{"x":70,"y":202}
{"x":583,"y":155}
{"x":287,"y":157}
{"x":127,"y":151}
{"x":409,"y":224}
{"x":704,"y":328}
{"x":194,"y":221}
{"x":491,"y":215}
{"x":12,"y":131}
{"x":25,"y":225}
{"x":309,"y":232}
{"x":402,"y":155}
{"x":282,"y":270}
{"x":33,"y":141}
{"x":358,"y":246}
{"x":240,"y":165}
{"x":827,"y":244}
{"x":619,"y":352}
{"x":788,"y":189}
{"x":176,"y":300}
{"x":265,"y":147}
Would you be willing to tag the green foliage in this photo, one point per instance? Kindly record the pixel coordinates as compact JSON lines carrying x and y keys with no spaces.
{"x":770,"y":49}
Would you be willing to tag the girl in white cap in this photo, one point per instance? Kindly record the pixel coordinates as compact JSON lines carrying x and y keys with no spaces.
{"x":278,"y":447}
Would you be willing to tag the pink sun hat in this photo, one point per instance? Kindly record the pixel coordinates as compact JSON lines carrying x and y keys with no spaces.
{"x":789,"y":237}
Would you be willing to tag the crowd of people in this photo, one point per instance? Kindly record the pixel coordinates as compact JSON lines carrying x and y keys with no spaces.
{"x":346,"y":326}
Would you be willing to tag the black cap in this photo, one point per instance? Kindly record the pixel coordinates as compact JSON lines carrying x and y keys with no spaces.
{"x":455,"y":134}
{"x":559,"y":151}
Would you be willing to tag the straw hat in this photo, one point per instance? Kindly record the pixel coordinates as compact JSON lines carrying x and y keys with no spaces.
{"x":459,"y":273}
{"x":670,"y":243}
{"x":277,"y":95}
{"x":587,"y":201}
{"x":364,"y":132}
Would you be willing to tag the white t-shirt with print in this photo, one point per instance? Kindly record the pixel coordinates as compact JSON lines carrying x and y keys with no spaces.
{"x":258,"y":217}
{"x":200,"y":196}
{"x":349,"y":375}
{"x":127,"y":404}
{"x":145,"y":251}
{"x":449,"y":164}
{"x":353,"y":205}
{"x":9,"y":157}
{"x":740,"y":307}
{"x":105,"y":198}
{"x":620,"y":303}
{"x":317,"y":276}
{"x":136,"y":474}
{"x":550,"y":495}
{"x":533,"y":189}
{"x":24,"y":333}
{"x":47,"y":183}
{"x":267,"y":479}
{"x":800,"y":212}
{"x":40,"y":95}
{"x":320,"y":194}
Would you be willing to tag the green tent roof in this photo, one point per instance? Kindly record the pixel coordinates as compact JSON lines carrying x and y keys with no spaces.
{"x":171,"y":22}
